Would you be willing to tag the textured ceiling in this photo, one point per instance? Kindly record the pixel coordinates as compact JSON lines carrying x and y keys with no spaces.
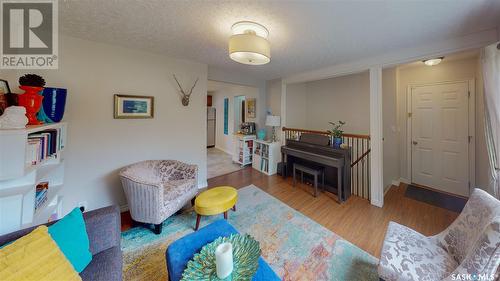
{"x":304,"y":35}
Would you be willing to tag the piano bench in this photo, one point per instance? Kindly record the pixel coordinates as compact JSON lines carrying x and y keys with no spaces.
{"x":315,"y":172}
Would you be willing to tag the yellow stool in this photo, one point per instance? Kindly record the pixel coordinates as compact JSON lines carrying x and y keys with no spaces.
{"x":215,"y":201}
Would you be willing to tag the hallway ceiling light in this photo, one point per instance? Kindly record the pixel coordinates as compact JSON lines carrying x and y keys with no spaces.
{"x":431,"y":62}
{"x":248,"y":44}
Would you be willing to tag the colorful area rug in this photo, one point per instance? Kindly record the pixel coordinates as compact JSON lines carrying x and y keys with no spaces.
{"x":296,"y":247}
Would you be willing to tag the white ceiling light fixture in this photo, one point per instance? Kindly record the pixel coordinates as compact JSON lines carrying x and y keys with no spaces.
{"x":431,"y":62}
{"x":248,"y":44}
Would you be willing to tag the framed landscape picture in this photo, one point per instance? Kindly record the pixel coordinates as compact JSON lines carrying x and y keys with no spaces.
{"x":130,"y":107}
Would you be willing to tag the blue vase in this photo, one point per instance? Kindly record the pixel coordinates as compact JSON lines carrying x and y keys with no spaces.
{"x":53,"y":104}
{"x":337,"y":142}
{"x":261,"y":134}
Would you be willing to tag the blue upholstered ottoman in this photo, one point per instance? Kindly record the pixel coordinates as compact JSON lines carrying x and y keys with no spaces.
{"x":180,"y":252}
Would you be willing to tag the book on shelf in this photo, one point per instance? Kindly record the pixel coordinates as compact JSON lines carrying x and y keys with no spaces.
{"x":53,"y":217}
{"x":41,"y":193}
{"x":264,"y":164}
{"x":43,"y":145}
{"x":40,"y":201}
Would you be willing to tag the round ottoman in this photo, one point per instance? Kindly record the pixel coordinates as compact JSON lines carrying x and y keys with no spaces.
{"x":215,"y":201}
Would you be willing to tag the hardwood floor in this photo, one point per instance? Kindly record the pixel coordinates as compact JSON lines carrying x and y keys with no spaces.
{"x":355,"y":220}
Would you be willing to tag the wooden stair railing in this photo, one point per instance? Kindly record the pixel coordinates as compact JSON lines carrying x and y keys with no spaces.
{"x":360,"y":158}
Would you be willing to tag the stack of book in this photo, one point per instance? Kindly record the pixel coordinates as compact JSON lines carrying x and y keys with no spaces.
{"x":42,"y":145}
{"x":257,"y":149}
{"x":42,"y":190}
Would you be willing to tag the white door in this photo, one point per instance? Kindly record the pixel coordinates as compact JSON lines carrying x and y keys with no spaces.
{"x":439,"y":137}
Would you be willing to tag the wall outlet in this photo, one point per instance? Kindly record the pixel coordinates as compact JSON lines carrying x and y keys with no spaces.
{"x":83,"y":205}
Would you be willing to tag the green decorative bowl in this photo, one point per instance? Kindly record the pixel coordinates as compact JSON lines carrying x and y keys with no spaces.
{"x":246,"y":253}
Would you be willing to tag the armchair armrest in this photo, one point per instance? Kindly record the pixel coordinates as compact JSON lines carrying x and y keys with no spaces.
{"x":103,"y":228}
{"x":145,"y":201}
{"x":484,"y":256}
{"x":193,"y":172}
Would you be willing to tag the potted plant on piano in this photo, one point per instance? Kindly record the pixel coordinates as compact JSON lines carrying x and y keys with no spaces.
{"x":336,"y":133}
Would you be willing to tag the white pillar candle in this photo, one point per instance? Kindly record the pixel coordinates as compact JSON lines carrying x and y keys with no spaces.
{"x":224,"y":260}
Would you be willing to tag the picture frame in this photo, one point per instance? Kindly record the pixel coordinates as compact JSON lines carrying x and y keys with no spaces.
{"x":133,"y":107}
{"x":251,"y":108}
{"x":4,"y":87}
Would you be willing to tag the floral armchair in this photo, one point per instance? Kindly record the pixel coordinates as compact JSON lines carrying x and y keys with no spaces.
{"x":468,"y":248}
{"x":156,"y":189}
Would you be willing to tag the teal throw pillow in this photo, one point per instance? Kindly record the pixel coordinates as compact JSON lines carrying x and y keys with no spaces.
{"x":70,"y":235}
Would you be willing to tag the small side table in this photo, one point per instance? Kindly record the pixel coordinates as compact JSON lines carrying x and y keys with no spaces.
{"x":215,"y":201}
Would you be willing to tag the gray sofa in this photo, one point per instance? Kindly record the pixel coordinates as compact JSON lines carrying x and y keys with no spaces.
{"x":103,"y":228}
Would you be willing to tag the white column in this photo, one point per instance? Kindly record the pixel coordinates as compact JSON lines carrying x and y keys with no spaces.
{"x":283,"y":110}
{"x":376,"y":130}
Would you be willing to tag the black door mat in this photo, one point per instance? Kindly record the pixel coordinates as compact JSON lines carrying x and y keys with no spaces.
{"x":438,"y":199}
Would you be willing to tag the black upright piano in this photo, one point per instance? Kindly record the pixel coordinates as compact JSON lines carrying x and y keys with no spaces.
{"x":315,"y":150}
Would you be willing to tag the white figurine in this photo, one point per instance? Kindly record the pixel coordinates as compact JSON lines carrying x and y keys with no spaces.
{"x":14,"y":117}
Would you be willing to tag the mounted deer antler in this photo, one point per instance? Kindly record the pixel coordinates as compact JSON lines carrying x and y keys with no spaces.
{"x":185,"y":97}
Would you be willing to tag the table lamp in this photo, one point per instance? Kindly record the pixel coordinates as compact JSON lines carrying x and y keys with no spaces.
{"x":273,"y":121}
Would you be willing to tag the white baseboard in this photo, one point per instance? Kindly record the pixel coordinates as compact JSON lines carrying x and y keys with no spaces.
{"x":202,"y":185}
{"x":228,"y":152}
{"x":386,"y":189}
{"x":377,"y":203}
{"x":404,"y":180}
{"x":123,"y":208}
{"x":396,"y":182}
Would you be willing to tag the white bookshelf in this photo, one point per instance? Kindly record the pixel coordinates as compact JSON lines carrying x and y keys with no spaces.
{"x":243,"y":148}
{"x":19,"y":178}
{"x":266,"y":156}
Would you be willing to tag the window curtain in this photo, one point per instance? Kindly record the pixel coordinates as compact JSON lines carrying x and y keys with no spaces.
{"x":490,"y":60}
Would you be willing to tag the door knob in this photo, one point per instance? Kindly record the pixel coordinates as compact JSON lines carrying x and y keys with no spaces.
{"x":415,"y":142}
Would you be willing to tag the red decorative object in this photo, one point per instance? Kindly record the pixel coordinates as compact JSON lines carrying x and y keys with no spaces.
{"x":32,"y":101}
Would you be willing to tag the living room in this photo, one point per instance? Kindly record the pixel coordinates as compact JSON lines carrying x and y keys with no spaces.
{"x":104,"y":154}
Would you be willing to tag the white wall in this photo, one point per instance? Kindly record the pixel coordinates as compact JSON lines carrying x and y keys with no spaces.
{"x":296,"y":106}
{"x":312,"y":105}
{"x":273,"y":105}
{"x":345,"y":98}
{"x":391,"y":135}
{"x":219,"y":91}
{"x":222,"y":75}
{"x":98,"y":145}
{"x":273,"y":97}
{"x":446,"y":71}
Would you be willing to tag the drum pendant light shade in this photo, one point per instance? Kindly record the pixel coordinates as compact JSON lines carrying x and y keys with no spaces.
{"x":249,"y":45}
